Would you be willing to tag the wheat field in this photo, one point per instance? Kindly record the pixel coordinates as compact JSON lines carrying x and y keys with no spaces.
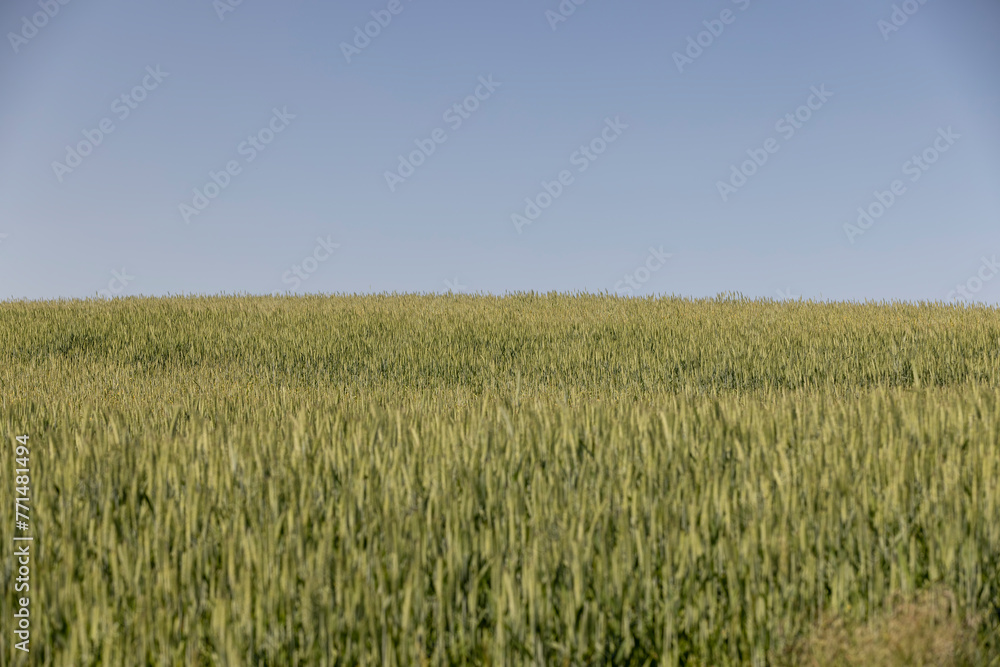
{"x":529,"y":479}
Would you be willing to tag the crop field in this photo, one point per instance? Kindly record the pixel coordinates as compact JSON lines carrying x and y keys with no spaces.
{"x":521,"y":480}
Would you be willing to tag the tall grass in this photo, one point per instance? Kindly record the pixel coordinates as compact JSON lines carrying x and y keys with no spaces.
{"x":534,"y":479}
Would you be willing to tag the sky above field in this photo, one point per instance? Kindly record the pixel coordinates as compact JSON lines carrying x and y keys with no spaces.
{"x":825,"y":150}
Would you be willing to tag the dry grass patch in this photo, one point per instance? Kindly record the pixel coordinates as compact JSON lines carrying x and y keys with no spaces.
{"x":927,"y":630}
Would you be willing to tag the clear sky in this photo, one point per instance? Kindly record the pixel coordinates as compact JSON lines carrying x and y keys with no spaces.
{"x":690,"y":147}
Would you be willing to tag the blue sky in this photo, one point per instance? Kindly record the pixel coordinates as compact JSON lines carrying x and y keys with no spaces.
{"x":688,"y":148}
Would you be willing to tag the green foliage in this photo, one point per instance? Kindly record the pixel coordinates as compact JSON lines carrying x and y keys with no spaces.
{"x":533,"y":479}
